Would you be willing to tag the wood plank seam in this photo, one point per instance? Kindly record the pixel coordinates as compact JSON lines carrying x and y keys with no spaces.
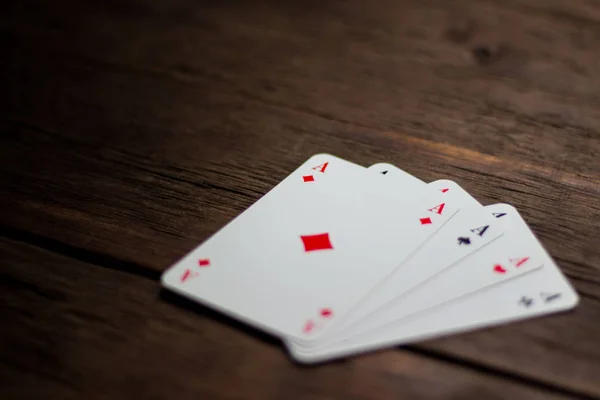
{"x":496,"y":372}
{"x":88,"y":256}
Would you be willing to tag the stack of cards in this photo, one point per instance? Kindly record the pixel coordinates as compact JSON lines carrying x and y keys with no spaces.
{"x":339,"y":259}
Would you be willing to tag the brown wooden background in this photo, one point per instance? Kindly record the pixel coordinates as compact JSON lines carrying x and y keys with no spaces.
{"x":133,"y":129}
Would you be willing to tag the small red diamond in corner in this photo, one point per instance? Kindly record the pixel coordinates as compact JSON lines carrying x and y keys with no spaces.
{"x":308,"y":178}
{"x":326,"y":313}
{"x":425,"y":221}
{"x":205,"y":262}
{"x":309,"y":326}
{"x":316,"y":242}
{"x":499,"y":269}
{"x":445,"y":190}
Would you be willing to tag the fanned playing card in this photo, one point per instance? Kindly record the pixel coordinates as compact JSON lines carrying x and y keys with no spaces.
{"x":303,"y":255}
{"x":338,"y":260}
{"x":471,"y":229}
{"x":540,"y":291}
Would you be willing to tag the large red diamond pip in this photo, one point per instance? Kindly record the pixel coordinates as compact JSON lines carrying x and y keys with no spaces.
{"x":316,"y":242}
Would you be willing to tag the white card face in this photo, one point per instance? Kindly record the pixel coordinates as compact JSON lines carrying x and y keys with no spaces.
{"x":472,"y":228}
{"x":508,"y":256}
{"x":304,"y":254}
{"x":542,"y":291}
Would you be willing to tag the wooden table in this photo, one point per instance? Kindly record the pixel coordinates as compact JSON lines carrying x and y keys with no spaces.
{"x":131,"y":130}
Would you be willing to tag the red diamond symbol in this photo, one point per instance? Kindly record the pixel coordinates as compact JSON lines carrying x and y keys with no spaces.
{"x":205,"y":262}
{"x":499,"y":269}
{"x":445,"y":190}
{"x":425,"y":221}
{"x":316,"y":242}
{"x":326,"y":312}
{"x":309,"y":326}
{"x":308,"y":178}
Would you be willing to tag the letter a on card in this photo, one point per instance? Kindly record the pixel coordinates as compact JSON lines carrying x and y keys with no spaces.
{"x":438,"y":209}
{"x":517,"y":262}
{"x":481,"y":230}
{"x":322,"y":167}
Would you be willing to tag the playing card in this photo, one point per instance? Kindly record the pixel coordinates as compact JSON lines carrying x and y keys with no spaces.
{"x":506,"y":257}
{"x":472,"y":228}
{"x":541,"y":291}
{"x":303,"y":255}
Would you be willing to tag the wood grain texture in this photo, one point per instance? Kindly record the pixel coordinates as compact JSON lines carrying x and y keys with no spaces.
{"x":131,"y":131}
{"x":78,"y":330}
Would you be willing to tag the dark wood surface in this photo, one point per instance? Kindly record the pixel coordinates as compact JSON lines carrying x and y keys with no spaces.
{"x":132,"y":130}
